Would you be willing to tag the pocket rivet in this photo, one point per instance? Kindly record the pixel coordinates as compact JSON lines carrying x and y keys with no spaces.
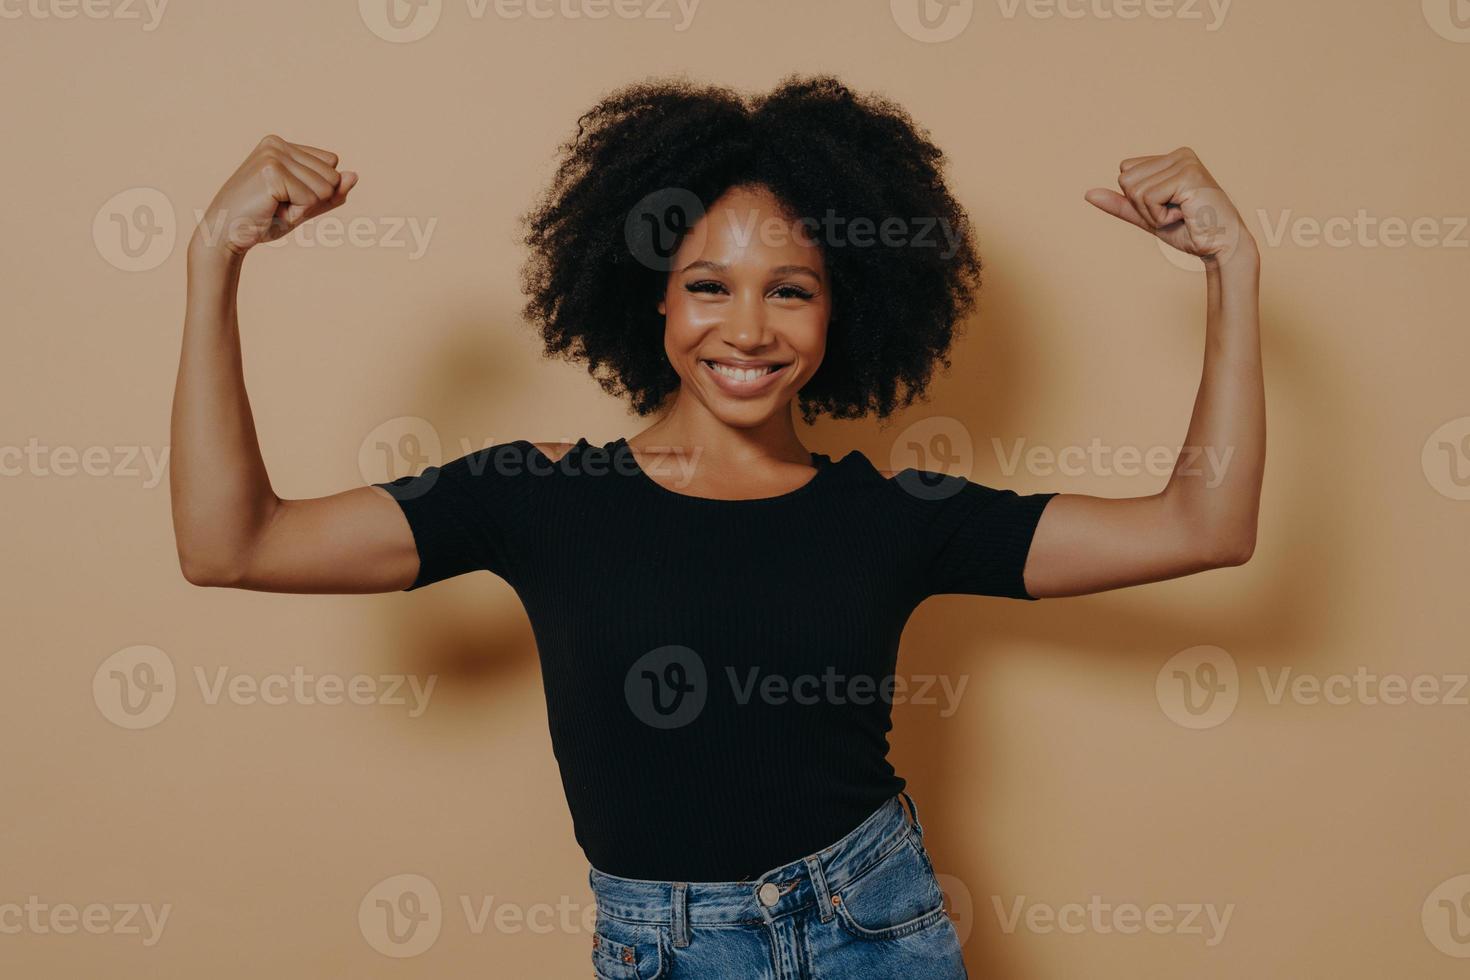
{"x":836,"y":899}
{"x":627,"y":956}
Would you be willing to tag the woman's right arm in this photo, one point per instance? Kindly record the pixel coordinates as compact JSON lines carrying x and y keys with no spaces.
{"x":230,"y":527}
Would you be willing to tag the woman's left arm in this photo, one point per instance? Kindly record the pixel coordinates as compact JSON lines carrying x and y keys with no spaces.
{"x":1205,"y":517}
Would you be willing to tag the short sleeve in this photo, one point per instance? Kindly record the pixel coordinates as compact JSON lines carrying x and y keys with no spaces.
{"x":975,"y":538}
{"x":458,"y":512}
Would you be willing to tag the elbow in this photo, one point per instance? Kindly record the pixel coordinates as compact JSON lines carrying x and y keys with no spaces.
{"x":1231,"y":548}
{"x":212,"y":558}
{"x":208,"y":572}
{"x":1216,"y":537}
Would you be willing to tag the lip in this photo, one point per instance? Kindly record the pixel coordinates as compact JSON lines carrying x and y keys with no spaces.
{"x":744,"y":389}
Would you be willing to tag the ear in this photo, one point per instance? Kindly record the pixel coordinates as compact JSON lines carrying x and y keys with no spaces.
{"x":663,"y":309}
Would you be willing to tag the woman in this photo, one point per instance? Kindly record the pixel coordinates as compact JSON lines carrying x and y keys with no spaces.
{"x":717,"y":608}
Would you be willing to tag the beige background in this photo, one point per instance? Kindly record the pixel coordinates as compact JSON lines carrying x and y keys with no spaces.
{"x":1336,"y":832}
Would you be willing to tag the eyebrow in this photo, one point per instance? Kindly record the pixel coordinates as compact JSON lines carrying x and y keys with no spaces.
{"x":786,"y":270}
{"x":780,"y":270}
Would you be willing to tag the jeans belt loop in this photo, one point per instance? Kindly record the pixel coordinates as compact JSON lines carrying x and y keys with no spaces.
{"x":681,"y":914}
{"x":819,"y":883}
{"x":913,"y":810}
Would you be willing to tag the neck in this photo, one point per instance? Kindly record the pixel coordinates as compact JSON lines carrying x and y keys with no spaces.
{"x":688,"y":425}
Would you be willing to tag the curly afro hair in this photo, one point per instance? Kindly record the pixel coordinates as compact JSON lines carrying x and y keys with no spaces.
{"x":822,"y":151}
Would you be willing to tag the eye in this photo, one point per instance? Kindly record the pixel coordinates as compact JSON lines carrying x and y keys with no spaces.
{"x":705,"y":286}
{"x":791,"y":291}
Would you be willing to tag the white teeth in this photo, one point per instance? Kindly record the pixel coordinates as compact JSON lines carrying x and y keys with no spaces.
{"x":741,"y":374}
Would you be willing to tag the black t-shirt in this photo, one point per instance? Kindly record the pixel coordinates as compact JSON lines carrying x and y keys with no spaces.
{"x":714,"y":670}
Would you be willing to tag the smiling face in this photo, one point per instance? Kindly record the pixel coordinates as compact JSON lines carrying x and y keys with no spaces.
{"x":746,"y":309}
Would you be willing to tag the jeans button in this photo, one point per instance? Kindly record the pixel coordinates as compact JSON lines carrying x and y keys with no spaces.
{"x":769,"y":894}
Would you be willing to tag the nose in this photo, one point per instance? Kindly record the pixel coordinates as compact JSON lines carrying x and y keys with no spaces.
{"x":746,"y":327}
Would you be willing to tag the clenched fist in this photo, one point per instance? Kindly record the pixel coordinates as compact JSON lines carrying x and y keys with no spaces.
{"x":279,"y":186}
{"x":1175,"y":198}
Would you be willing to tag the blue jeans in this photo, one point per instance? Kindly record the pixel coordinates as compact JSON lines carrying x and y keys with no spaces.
{"x":867,"y":906}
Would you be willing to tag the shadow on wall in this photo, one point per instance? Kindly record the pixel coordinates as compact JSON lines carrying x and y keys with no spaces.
{"x":486,"y":644}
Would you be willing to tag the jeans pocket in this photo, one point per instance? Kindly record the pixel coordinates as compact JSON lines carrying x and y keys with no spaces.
{"x":896,"y":897}
{"x":625,"y":950}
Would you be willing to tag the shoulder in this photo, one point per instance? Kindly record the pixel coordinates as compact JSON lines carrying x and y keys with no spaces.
{"x":553,"y":450}
{"x":857,"y":472}
{"x":910,"y":488}
{"x":856,"y":462}
{"x":523,"y":450}
{"x":532,"y":457}
{"x":501,"y":462}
